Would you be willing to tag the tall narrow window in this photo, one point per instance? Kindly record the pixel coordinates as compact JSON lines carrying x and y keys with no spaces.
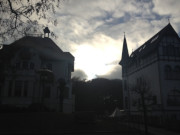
{"x":165,"y":51}
{"x":10,"y":88}
{"x":168,"y":72}
{"x":18,"y":88}
{"x":47,"y":92}
{"x":171,"y":50}
{"x":0,"y":90}
{"x":25,"y":89}
{"x":66,"y":92}
{"x":126,"y":102}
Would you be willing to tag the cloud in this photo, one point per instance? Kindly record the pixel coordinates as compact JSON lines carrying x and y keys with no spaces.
{"x":99,"y":26}
{"x":93,"y":31}
{"x":80,"y":74}
{"x":116,"y":73}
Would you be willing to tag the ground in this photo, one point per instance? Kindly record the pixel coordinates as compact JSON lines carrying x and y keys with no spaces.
{"x":59,"y":123}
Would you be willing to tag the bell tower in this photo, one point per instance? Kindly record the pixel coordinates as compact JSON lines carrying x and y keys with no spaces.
{"x":124,"y":57}
{"x":123,"y":63}
{"x":46,"y":31}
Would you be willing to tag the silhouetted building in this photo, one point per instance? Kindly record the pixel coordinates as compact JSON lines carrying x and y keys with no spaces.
{"x":157,"y":62}
{"x":35,"y":70}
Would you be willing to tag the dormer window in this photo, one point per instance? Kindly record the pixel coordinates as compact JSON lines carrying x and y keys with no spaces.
{"x":154,"y":39}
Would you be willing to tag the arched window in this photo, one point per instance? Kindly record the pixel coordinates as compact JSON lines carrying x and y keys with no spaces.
{"x":168,"y":72}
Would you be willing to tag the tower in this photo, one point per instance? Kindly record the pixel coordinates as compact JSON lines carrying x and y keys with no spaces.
{"x":125,"y":57}
{"x":123,"y":63}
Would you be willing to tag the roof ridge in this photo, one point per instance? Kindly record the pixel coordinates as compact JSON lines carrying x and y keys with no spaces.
{"x":155,"y":37}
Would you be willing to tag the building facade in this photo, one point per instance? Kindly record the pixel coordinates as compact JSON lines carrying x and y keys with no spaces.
{"x":34,"y":70}
{"x":151,"y":74}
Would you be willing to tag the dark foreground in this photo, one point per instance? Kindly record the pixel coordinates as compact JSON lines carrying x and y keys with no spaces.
{"x":58,"y":123}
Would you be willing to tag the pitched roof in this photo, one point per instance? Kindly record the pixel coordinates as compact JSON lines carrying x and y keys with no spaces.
{"x":125,"y":54}
{"x":46,"y":48}
{"x":152,"y":43}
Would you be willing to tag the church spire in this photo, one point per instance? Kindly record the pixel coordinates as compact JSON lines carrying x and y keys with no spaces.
{"x":125,"y":54}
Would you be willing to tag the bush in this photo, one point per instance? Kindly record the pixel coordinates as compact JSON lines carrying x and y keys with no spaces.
{"x":37,"y":107}
{"x":10,"y":109}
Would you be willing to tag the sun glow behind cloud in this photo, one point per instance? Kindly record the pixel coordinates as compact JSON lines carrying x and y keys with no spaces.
{"x":93,"y":30}
{"x":95,"y":59}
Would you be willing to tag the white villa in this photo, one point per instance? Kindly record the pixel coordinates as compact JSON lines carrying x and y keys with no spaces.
{"x":35,"y":70}
{"x":157,"y":61}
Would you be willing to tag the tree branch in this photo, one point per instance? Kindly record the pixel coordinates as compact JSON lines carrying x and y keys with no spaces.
{"x":13,"y":11}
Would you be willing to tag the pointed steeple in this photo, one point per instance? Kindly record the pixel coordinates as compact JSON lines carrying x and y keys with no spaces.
{"x":125,"y":54}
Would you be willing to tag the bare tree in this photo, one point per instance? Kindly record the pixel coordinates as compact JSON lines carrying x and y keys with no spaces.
{"x":62,"y":88}
{"x":144,"y":98}
{"x":20,"y":16}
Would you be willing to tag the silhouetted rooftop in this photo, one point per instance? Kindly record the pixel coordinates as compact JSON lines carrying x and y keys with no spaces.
{"x":45,"y":47}
{"x":152,"y":44}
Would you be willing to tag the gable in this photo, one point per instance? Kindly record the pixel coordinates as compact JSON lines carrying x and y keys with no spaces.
{"x":167,"y":33}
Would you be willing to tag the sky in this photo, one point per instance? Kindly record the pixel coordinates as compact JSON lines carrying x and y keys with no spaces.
{"x":93,"y":31}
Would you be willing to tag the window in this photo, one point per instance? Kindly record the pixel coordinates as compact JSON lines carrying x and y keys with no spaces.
{"x":176,"y":73}
{"x":126,"y":102}
{"x":0,"y":90}
{"x":173,"y":98}
{"x":154,"y":39}
{"x":125,"y":85}
{"x":170,"y":50}
{"x":49,"y":66}
{"x":165,"y":51}
{"x":47,"y":92}
{"x":177,"y":51}
{"x":18,"y":88}
{"x":25,"y":65}
{"x":25,"y":89}
{"x":18,"y":66}
{"x":66,"y":92}
{"x":31,"y":66}
{"x":154,"y":98}
{"x":168,"y":72}
{"x":10,"y":88}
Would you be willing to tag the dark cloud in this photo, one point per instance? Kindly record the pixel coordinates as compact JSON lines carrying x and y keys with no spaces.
{"x":79,"y":74}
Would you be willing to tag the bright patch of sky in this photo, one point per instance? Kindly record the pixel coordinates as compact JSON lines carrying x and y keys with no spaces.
{"x":93,"y":30}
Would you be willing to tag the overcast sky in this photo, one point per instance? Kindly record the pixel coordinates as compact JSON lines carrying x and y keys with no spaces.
{"x":93,"y":30}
